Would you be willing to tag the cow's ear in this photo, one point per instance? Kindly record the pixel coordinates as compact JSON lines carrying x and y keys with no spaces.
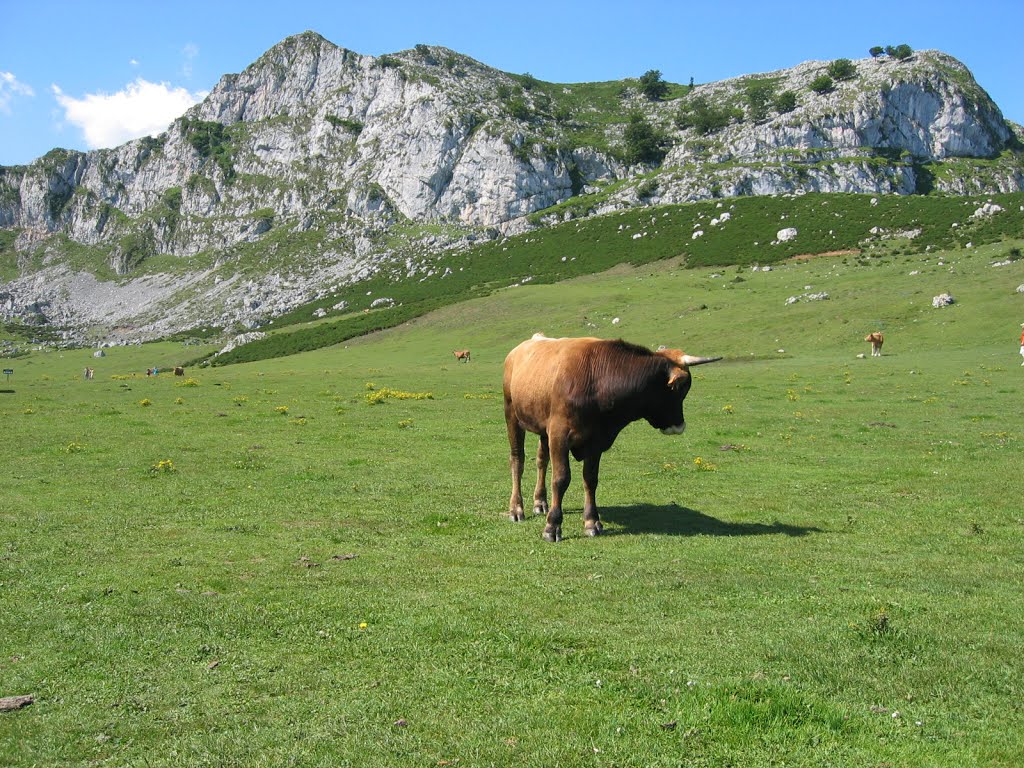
{"x":676,"y":375}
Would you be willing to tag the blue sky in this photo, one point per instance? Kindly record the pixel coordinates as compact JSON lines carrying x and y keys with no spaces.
{"x":90,"y":73}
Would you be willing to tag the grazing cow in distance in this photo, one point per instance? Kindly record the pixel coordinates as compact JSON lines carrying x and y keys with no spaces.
{"x":461,"y":354}
{"x":179,"y":371}
{"x":577,"y":395}
{"x":876,"y":340}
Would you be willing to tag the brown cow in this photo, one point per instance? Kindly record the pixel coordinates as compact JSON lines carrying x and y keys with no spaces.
{"x":179,"y":371}
{"x":461,"y":354}
{"x":577,"y":395}
{"x":876,"y":340}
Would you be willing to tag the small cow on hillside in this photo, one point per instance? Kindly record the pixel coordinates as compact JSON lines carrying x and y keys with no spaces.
{"x":876,"y":340}
{"x":461,"y":354}
{"x":179,"y":371}
{"x":577,"y":395}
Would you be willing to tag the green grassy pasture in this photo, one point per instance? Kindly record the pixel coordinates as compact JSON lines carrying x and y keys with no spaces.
{"x":307,"y":561}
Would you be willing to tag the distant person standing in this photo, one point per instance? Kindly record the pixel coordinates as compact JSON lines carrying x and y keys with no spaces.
{"x":1022,"y":341}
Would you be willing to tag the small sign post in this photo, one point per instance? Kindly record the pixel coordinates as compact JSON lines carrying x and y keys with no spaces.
{"x":8,"y":372}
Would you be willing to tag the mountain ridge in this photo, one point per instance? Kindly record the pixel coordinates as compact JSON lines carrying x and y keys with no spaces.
{"x":315,"y":165}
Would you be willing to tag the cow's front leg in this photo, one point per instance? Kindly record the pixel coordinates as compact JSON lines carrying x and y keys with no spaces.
{"x":516,"y":439}
{"x":591,"y":520}
{"x":560,"y":476}
{"x":540,"y":493}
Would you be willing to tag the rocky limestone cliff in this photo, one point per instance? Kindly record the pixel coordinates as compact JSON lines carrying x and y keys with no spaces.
{"x":337,"y":151}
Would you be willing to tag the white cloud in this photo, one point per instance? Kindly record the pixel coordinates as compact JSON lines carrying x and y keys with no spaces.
{"x":140,"y":109}
{"x":10,"y":87}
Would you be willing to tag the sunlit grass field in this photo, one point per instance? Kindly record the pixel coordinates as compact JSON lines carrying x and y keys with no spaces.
{"x":308,"y":561}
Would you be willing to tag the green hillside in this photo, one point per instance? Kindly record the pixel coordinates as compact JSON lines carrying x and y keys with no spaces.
{"x":862,"y":227}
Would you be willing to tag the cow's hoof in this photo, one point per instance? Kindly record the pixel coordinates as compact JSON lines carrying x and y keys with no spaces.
{"x":516,"y":517}
{"x":553,"y":535}
{"x":540,"y":509}
{"x":593,"y":531}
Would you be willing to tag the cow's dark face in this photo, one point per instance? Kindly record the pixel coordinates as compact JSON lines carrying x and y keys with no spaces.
{"x":665,"y":405}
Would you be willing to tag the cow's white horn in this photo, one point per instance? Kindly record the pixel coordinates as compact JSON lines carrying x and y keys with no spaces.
{"x":692,"y":360}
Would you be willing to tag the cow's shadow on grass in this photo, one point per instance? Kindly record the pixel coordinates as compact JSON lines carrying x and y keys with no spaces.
{"x":673,"y":520}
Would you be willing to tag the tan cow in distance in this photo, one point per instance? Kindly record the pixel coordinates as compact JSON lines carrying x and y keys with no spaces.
{"x":876,"y":340}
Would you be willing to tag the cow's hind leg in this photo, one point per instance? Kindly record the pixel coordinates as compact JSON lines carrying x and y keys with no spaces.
{"x":540,"y":493}
{"x":560,"y":476}
{"x":591,"y":520}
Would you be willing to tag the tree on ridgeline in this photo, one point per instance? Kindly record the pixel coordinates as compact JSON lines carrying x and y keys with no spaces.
{"x":652,"y":86}
{"x":901,"y":51}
